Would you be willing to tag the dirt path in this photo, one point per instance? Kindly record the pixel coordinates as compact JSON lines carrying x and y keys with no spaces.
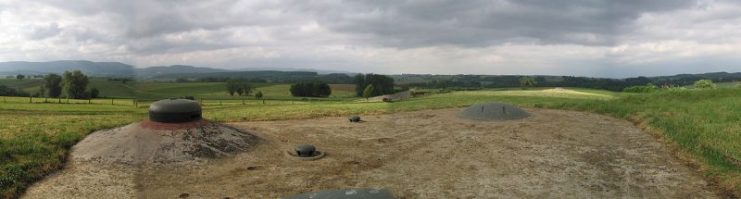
{"x":423,"y":154}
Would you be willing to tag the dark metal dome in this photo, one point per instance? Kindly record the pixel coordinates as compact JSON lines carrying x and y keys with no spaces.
{"x":354,"y":118}
{"x":174,"y":111}
{"x":305,"y":150}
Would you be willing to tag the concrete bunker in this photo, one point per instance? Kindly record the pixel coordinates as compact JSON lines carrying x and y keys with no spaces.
{"x":174,"y":132}
{"x":493,"y":112}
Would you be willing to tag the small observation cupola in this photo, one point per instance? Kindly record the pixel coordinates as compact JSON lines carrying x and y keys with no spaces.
{"x":305,"y":150}
{"x":174,"y":111}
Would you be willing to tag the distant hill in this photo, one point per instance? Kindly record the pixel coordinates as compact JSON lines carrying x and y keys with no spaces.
{"x":108,"y":69}
{"x":321,"y":72}
{"x":155,"y":71}
{"x":267,"y":76}
{"x":117,"y":69}
{"x":87,"y":67}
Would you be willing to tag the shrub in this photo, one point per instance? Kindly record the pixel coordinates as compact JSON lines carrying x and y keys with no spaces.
{"x":7,"y":91}
{"x":368,"y":91}
{"x":258,"y":95}
{"x":641,"y":89}
{"x":94,"y":93}
{"x":704,"y":84}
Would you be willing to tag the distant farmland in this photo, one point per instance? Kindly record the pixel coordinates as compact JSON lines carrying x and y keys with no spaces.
{"x":159,"y":90}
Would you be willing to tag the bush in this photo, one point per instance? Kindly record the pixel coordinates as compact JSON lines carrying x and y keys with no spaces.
{"x":641,"y":89}
{"x":705,"y":84}
{"x":94,"y":93}
{"x":7,"y":91}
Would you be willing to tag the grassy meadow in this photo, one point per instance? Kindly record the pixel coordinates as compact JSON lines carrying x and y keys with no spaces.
{"x":35,"y":137}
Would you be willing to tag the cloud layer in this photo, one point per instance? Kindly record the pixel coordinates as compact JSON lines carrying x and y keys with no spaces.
{"x":561,"y":37}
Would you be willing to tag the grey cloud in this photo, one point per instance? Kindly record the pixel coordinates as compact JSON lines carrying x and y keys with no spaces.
{"x":387,"y":33}
{"x":484,"y":22}
{"x":43,"y":32}
{"x":404,"y":24}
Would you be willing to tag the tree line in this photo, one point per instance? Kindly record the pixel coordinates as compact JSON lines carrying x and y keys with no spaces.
{"x":71,"y":83}
{"x":314,"y":88}
{"x":239,"y":87}
{"x":509,"y":81}
{"x":370,"y":85}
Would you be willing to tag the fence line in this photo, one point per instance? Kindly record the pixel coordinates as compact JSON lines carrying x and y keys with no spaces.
{"x":138,"y":102}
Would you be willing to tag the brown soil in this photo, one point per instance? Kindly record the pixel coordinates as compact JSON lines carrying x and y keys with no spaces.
{"x":424,"y":154}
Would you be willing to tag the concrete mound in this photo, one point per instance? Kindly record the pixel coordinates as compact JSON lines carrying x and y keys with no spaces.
{"x":157,"y":143}
{"x":493,"y":112}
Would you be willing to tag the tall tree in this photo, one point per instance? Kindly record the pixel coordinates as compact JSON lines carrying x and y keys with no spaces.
{"x":259,"y":96}
{"x":232,"y":86}
{"x":382,"y":84}
{"x":244,"y":88}
{"x":360,"y":84}
{"x":75,"y":83}
{"x":42,"y":92}
{"x":53,"y":85}
{"x":368,"y":91}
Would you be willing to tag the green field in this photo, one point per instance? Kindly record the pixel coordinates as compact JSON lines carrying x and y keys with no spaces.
{"x":158,"y":90}
{"x":35,"y":137}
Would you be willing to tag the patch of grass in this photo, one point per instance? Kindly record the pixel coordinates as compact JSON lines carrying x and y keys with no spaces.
{"x":35,"y":143}
{"x":703,"y":123}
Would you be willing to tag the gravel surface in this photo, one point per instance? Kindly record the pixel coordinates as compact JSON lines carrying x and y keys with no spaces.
{"x":423,"y":154}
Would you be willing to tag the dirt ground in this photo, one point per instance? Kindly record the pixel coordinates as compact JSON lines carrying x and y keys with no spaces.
{"x":423,"y":154}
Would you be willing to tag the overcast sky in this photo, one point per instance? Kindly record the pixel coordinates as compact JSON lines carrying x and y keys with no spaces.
{"x":605,"y":38}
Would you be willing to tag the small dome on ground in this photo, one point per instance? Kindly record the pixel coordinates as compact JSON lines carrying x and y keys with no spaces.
{"x":493,"y":112}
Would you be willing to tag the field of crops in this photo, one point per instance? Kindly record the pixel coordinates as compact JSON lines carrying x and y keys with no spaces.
{"x":34,"y":137}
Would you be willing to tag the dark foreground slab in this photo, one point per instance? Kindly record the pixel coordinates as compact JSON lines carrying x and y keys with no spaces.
{"x":346,"y":194}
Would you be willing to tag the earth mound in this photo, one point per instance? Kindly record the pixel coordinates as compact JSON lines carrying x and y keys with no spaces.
{"x":143,"y":142}
{"x":493,"y":112}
